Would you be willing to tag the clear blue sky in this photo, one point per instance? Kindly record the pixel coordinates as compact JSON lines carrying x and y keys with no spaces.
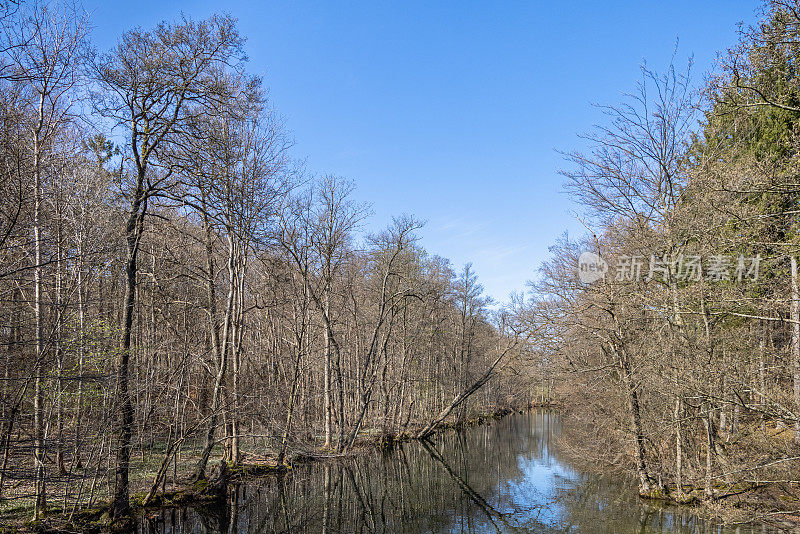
{"x":451,"y":111}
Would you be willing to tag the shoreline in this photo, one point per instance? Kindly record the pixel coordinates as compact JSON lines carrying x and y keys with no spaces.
{"x":733,"y":504}
{"x":754,"y":504}
{"x":211,"y":491}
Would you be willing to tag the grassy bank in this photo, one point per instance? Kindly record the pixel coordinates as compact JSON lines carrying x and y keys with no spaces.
{"x":212,"y":491}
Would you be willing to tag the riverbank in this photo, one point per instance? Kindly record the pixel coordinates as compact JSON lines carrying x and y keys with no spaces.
{"x":375,"y":453}
{"x":212,"y":491}
{"x":450,"y":478}
{"x":769,"y":503}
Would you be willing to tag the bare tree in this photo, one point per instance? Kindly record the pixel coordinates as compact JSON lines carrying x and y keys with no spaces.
{"x":45,"y":50}
{"x":152,"y":82}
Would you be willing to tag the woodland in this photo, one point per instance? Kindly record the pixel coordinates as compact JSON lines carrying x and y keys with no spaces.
{"x":179,"y":297}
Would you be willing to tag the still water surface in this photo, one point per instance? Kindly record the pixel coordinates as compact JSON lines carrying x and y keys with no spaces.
{"x":504,"y":477}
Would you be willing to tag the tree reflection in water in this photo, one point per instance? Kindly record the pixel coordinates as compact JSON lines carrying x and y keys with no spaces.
{"x":503,"y":477}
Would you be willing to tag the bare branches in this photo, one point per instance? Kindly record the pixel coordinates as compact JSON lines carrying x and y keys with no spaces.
{"x":636,"y":167}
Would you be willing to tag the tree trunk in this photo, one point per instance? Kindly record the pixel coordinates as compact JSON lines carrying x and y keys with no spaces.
{"x":38,"y":387}
{"x":81,"y":333}
{"x":221,"y":352}
{"x":709,"y":485}
{"x":290,"y":408}
{"x":123,"y":426}
{"x":328,"y":405}
{"x":59,"y":349}
{"x":795,"y":317}
{"x":460,"y":398}
{"x":237,"y":353}
{"x":632,"y":401}
{"x":762,"y":375}
{"x":678,"y":446}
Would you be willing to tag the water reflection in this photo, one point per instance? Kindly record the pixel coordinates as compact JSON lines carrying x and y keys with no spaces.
{"x":504,"y":477}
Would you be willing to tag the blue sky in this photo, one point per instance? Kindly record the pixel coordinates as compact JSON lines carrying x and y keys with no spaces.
{"x":453,"y":111}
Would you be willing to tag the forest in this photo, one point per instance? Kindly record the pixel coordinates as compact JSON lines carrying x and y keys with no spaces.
{"x":680,"y":353}
{"x":178,"y":294}
{"x":180,"y":297}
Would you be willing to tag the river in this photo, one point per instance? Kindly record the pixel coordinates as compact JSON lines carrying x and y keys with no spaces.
{"x":507,"y":476}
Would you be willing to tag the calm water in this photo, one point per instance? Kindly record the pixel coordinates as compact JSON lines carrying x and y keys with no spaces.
{"x":503,"y":477}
